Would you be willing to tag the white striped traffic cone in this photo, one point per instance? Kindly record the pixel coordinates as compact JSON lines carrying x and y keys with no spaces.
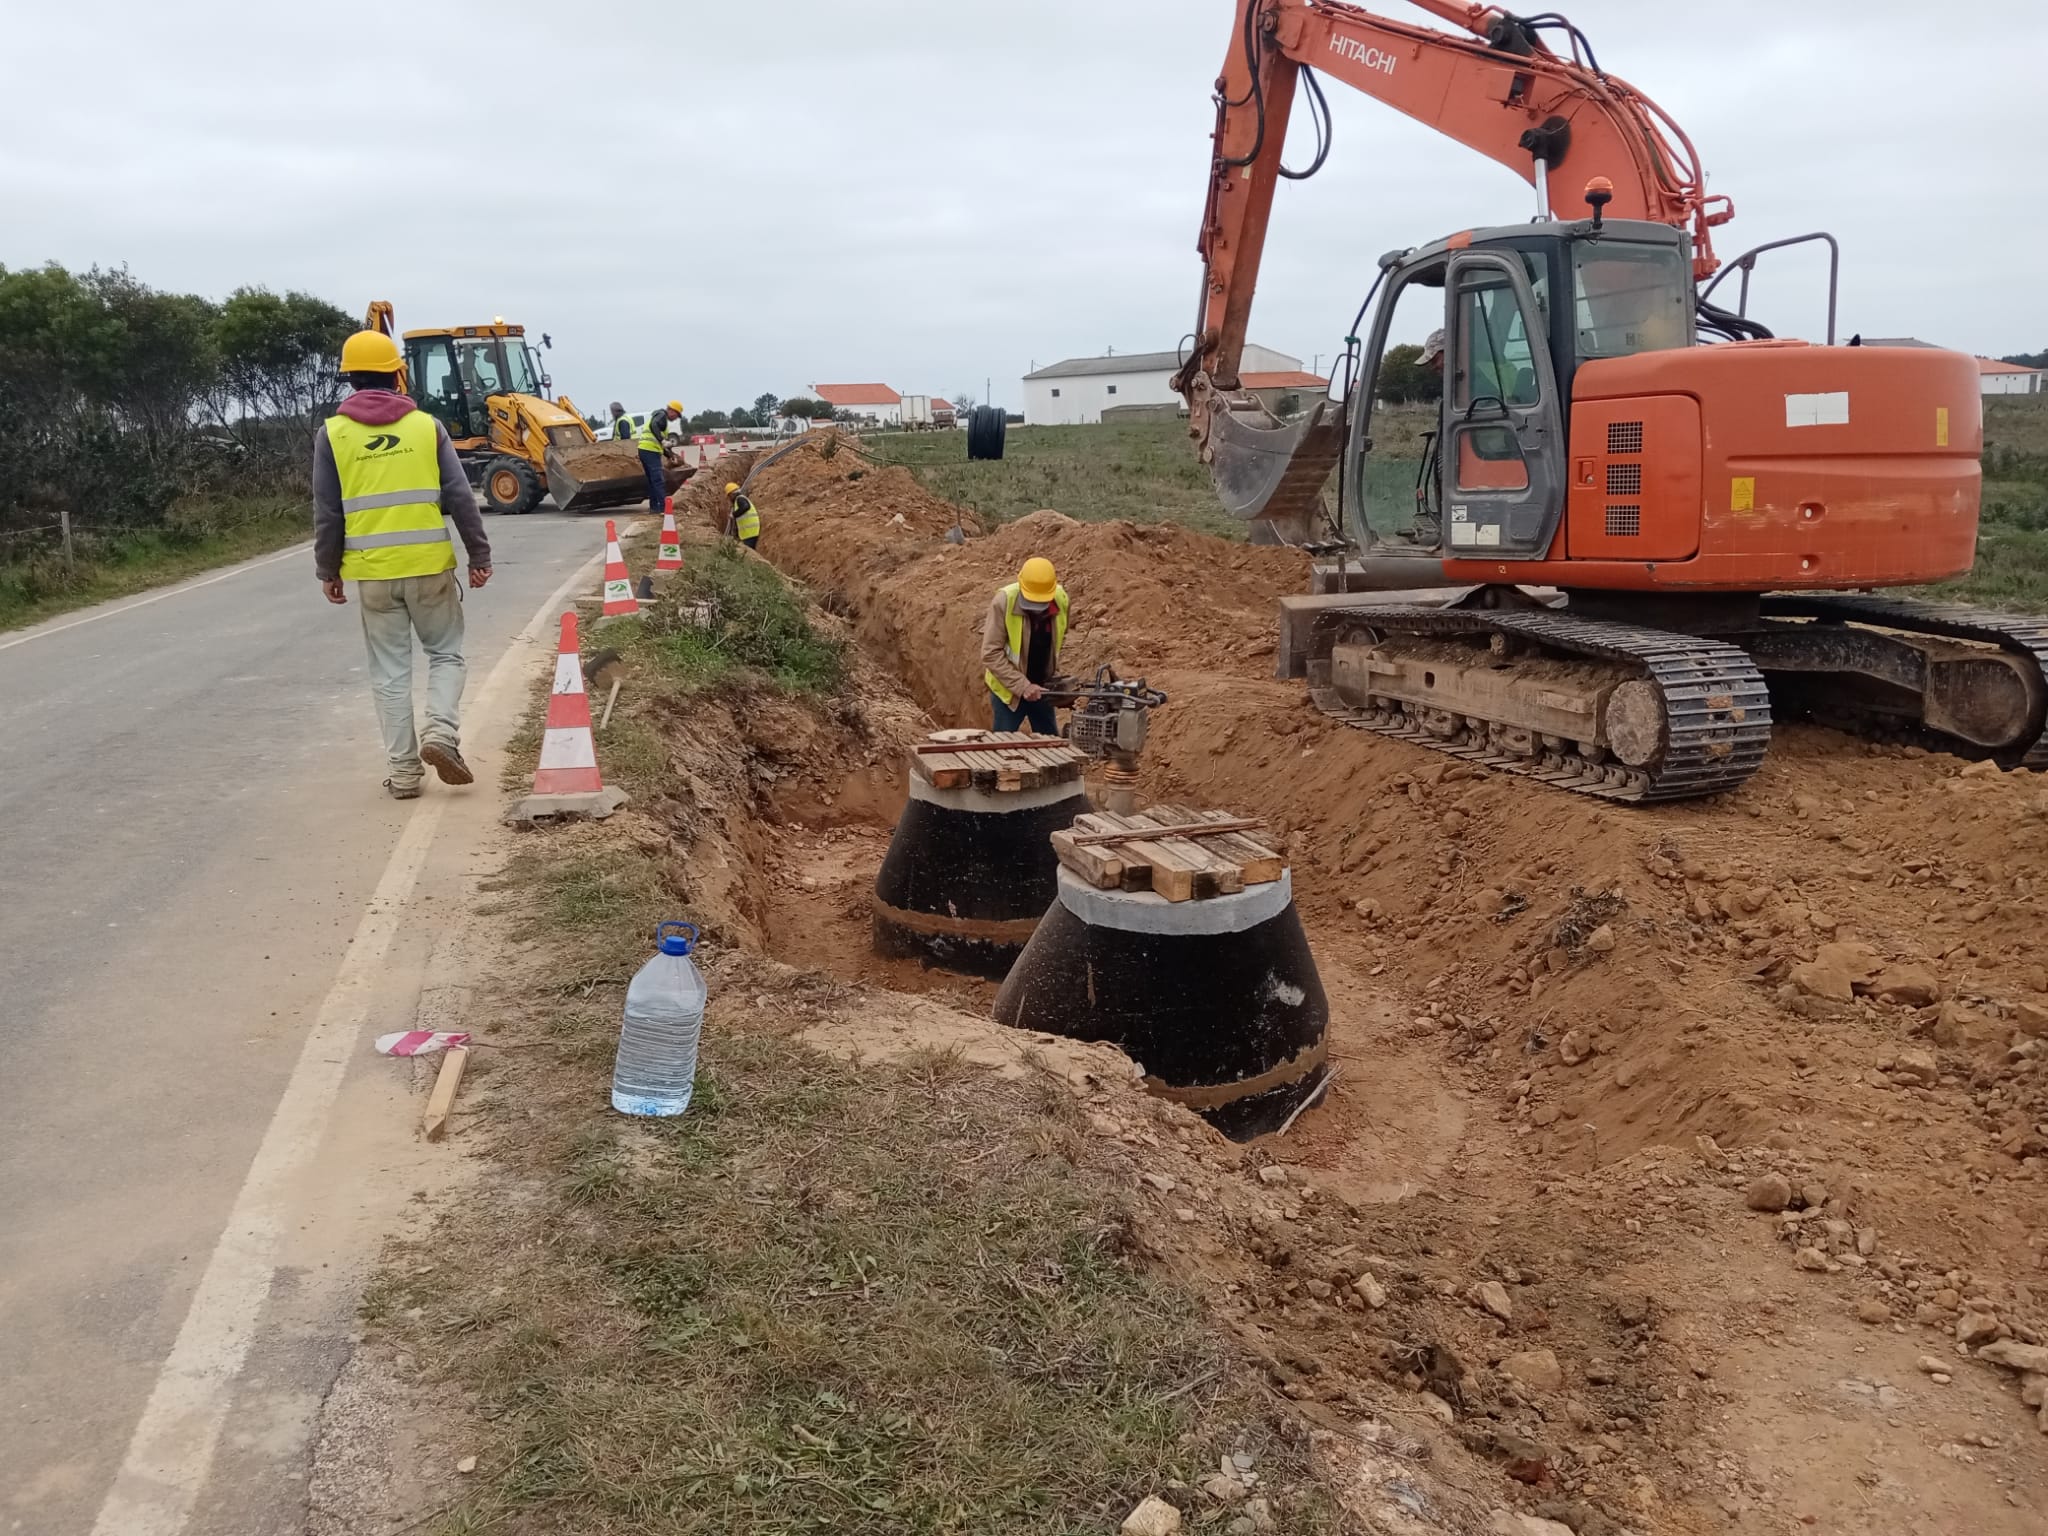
{"x":567,"y":782}
{"x":618,"y":586}
{"x":670,"y":556}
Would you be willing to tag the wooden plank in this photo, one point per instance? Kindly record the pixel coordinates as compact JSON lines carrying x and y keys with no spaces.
{"x":1136,"y":872}
{"x":1006,"y":743}
{"x":1174,"y":874}
{"x":442,"y":1100}
{"x":1102,"y":868}
{"x":1261,"y":865}
{"x":1196,"y":825}
{"x":1223,"y":875}
{"x":941,"y":771}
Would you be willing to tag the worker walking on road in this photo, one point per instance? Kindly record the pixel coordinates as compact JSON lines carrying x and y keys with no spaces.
{"x":622,"y":424}
{"x":386,"y":483}
{"x":1020,"y":647}
{"x":744,"y":523}
{"x":654,"y":452}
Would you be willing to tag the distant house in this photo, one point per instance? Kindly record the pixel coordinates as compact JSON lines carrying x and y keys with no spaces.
{"x":876,"y":402}
{"x":1996,"y":378}
{"x":1276,"y":387}
{"x":1078,"y":390}
{"x":1993,"y":377}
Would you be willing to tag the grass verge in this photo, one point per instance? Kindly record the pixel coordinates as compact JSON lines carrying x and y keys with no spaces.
{"x":198,"y":536}
{"x":1144,"y":471}
{"x":834,"y":1297}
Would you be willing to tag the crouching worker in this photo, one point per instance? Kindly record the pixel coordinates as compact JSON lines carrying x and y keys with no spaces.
{"x":1020,"y":648}
{"x":744,"y":521}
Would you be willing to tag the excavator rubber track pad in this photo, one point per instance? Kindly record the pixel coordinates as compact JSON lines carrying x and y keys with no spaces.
{"x":2017,"y":634}
{"x":1716,"y":704}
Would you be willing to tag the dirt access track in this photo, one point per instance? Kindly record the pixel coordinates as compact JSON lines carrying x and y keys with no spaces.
{"x":1680,"y":1159}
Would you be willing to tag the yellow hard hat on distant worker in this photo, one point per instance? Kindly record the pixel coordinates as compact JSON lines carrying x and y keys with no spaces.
{"x":675,"y":407}
{"x":370,"y":352}
{"x":731,"y":487}
{"x":1036,"y":583}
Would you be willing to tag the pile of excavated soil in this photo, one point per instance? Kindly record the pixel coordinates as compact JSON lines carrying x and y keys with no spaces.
{"x":1748,"y":1095}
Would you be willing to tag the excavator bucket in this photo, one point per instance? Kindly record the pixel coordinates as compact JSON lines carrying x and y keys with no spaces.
{"x":1273,"y":475}
{"x":602,"y":474}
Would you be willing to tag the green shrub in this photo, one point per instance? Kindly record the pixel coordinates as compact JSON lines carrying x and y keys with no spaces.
{"x":731,"y":614}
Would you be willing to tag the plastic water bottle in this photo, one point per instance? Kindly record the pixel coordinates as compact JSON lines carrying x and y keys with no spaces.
{"x":657,"y":1065}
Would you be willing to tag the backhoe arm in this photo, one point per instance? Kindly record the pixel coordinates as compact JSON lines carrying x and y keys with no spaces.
{"x":1557,"y":121}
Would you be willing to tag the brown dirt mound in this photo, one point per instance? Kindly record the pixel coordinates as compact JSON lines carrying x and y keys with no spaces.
{"x":1834,"y":971}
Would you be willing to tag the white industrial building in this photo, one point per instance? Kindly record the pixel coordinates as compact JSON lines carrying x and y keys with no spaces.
{"x":1077,"y":391}
{"x":1996,"y":378}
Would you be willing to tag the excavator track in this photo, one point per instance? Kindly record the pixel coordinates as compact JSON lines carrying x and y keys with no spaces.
{"x":1716,"y":705}
{"x":2013,"y":633}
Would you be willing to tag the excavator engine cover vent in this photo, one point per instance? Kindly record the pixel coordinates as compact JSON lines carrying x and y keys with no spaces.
{"x":1640,"y":499}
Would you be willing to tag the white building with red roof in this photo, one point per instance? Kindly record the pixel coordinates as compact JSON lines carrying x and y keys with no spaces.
{"x":876,"y":402}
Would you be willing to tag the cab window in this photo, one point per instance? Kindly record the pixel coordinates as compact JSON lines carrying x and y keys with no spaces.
{"x":1629,"y":298}
{"x":1493,"y":356}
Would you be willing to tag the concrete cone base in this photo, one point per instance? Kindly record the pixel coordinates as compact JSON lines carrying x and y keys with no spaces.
{"x":1219,"y":1000}
{"x":969,"y":873}
{"x":596,"y":804}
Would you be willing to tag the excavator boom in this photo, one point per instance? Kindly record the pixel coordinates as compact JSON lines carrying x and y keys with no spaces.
{"x":1558,"y":120}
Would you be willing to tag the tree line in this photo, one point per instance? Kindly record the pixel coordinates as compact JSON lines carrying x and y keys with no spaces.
{"x":117,"y":398}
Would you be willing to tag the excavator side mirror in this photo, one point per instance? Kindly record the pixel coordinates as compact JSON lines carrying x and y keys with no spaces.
{"x":1599,"y":193}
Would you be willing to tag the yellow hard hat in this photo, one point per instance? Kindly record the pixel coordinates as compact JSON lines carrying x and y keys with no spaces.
{"x":370,"y":352}
{"x":730,"y":487}
{"x":675,"y":407}
{"x":1036,"y":583}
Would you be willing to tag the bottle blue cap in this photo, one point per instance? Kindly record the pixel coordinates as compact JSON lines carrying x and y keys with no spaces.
{"x":675,"y":943}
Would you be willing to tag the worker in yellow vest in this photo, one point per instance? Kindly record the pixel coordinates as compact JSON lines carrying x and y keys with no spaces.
{"x":745,"y":522}
{"x":386,"y":482}
{"x":652,"y":441}
{"x":1020,"y":647}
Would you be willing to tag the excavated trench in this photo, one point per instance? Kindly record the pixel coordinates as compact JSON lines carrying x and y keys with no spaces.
{"x":1538,"y":1007}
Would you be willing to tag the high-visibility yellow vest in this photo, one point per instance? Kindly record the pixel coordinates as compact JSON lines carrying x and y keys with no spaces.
{"x":647,"y":442}
{"x":1013,"y":626}
{"x":622,"y":428}
{"x":390,"y":498}
{"x":746,"y":521}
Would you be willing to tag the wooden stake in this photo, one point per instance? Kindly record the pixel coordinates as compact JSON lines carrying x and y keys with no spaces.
{"x":442,"y":1100}
{"x":610,"y":700}
{"x":64,"y":523}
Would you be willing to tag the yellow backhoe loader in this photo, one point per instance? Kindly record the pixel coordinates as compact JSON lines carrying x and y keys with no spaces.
{"x":487,"y":386}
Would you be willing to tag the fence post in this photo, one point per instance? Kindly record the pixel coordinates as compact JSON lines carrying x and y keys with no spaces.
{"x":64,"y":523}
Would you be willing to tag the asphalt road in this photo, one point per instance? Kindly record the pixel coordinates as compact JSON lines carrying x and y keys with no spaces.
{"x":191,"y":824}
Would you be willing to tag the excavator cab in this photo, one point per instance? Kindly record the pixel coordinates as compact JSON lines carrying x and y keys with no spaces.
{"x":1522,"y":307}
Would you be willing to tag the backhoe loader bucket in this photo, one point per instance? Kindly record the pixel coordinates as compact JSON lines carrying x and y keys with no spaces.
{"x":603,"y":474}
{"x":1273,"y":475}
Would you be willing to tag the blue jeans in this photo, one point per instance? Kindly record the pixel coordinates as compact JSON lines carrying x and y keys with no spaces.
{"x":657,"y":482}
{"x":1038,"y":712}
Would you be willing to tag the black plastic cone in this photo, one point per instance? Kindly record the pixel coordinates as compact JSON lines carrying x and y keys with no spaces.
{"x":1218,"y":999}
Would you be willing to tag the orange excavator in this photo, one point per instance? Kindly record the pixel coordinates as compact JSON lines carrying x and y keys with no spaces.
{"x":1666,"y":520}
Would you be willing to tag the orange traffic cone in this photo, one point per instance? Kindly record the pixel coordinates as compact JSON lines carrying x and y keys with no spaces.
{"x":670,"y":556}
{"x":618,"y":586}
{"x":567,"y":782}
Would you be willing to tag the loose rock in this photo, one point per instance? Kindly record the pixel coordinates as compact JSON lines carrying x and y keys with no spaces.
{"x":1772,"y":1192}
{"x":1536,"y":1369}
{"x":1573,"y":1048}
{"x":2016,"y":1356}
{"x":1154,"y":1517}
{"x":1370,"y":1291}
{"x":1920,"y":1066}
{"x":1871,"y":1310}
{"x":1492,"y":1296}
{"x":1976,"y":1328}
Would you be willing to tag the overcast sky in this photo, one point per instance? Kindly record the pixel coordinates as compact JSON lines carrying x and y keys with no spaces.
{"x":769,"y":195}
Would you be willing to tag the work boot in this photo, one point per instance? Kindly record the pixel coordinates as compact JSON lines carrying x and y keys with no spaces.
{"x":398,"y":791}
{"x":445,"y":760}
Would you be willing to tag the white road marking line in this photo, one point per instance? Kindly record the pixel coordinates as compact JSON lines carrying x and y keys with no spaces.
{"x":173,"y":1446}
{"x":155,"y":597}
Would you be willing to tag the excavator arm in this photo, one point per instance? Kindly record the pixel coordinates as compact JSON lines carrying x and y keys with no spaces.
{"x":1557,"y":120}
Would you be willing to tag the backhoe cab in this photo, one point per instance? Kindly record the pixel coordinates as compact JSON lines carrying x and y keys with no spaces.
{"x":487,"y":386}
